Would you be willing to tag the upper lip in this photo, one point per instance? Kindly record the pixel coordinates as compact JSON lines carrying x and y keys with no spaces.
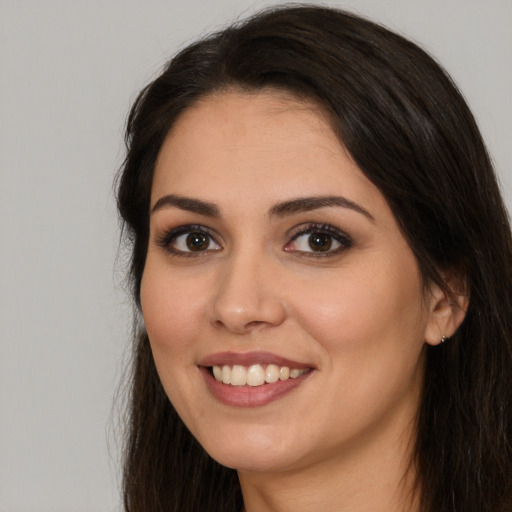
{"x":250,"y":358}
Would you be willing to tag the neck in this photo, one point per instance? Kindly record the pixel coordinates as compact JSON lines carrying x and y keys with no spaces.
{"x":374,"y":477}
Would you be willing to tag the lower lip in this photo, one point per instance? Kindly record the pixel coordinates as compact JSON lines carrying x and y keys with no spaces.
{"x":250,"y":396}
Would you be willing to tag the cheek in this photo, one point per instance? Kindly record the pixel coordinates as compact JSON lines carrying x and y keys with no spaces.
{"x":355,"y":310}
{"x":370,"y":327}
{"x":172,"y":311}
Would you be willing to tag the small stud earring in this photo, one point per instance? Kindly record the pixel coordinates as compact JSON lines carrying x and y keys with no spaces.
{"x":443,"y":338}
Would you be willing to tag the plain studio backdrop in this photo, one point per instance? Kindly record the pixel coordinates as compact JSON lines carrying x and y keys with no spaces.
{"x":69,"y":71}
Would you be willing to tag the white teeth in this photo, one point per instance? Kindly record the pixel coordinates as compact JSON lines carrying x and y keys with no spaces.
{"x":217,"y":372}
{"x":238,"y":375}
{"x":255,"y":375}
{"x":272,"y":373}
{"x":226,"y":374}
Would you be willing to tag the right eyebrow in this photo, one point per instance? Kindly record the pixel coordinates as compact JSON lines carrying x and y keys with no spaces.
{"x":187,"y":203}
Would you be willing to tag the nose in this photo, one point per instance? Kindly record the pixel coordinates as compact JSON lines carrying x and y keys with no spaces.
{"x":247,"y":296}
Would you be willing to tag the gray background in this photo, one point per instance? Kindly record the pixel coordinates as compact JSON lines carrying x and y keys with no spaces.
{"x":68,"y":73}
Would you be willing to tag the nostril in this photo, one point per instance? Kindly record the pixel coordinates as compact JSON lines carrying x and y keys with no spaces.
{"x":254,"y":323}
{"x":218,"y":324}
{"x":240,"y":328}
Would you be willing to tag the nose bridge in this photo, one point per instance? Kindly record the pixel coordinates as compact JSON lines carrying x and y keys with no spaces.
{"x":247,"y":296}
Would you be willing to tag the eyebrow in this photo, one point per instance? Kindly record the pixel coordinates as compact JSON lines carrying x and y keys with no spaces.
{"x":302,"y":204}
{"x":187,"y":203}
{"x":306,"y":204}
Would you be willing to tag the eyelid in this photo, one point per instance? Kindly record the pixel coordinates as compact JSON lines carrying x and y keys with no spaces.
{"x":166,"y":237}
{"x":345,"y":241}
{"x":343,"y":238}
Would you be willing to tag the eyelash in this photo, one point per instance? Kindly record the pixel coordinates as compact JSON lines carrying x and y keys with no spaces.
{"x":169,"y":237}
{"x":345,"y":240}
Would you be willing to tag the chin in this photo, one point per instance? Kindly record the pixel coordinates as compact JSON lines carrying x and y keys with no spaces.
{"x":254,"y":451}
{"x":253,"y":461}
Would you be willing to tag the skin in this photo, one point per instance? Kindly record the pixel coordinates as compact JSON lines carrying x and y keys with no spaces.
{"x":358,"y":315}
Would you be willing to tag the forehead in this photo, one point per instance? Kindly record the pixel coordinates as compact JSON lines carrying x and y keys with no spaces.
{"x":268,"y":143}
{"x":267,"y":119}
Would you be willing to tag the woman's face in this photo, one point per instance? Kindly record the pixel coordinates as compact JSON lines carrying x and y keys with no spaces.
{"x":272,"y":259}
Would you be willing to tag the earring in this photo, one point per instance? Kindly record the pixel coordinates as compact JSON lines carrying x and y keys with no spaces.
{"x":443,"y":338}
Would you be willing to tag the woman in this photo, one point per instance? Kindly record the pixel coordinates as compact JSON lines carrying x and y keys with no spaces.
{"x":322,"y":260}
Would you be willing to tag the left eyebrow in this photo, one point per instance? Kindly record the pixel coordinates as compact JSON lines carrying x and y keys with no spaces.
{"x":306,"y":204}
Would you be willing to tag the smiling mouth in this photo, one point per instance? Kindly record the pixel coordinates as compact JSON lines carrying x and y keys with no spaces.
{"x":254,"y":375}
{"x":252,"y":379}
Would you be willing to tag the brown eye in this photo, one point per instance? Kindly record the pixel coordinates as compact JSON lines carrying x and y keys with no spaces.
{"x":189,"y":241}
{"x":320,"y":242}
{"x":197,"y":241}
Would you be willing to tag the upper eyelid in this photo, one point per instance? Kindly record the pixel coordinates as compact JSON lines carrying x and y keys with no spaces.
{"x":164,"y":237}
{"x":344,"y":240}
{"x":315,"y":227}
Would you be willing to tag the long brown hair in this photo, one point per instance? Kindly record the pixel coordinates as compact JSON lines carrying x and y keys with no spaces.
{"x":411,"y":133}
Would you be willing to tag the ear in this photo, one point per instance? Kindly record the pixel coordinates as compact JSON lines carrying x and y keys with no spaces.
{"x":446,"y":312}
